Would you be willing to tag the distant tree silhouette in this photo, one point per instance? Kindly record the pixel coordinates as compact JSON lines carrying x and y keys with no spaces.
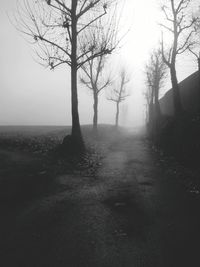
{"x":59,"y":29}
{"x":180,"y":25}
{"x":155,"y":71}
{"x":148,"y":94}
{"x":94,"y":80}
{"x":119,"y":93}
{"x":195,"y":50}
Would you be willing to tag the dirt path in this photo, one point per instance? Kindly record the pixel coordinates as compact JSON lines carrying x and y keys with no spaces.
{"x":132,"y":212}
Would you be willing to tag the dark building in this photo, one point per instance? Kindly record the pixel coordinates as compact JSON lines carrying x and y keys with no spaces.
{"x":190,"y":96}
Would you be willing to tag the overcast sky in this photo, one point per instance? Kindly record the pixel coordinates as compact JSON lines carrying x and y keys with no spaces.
{"x":32,"y":95}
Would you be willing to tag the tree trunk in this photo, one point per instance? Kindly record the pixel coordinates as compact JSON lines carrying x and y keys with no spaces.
{"x":95,"y":107}
{"x":157,"y":104}
{"x":178,"y":109}
{"x":158,"y":114}
{"x":151,"y":117}
{"x":117,"y":116}
{"x":76,"y":129}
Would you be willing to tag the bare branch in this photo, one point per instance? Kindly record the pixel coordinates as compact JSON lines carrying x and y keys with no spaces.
{"x":91,"y":22}
{"x":193,"y":52}
{"x":107,"y":83}
{"x":183,"y":4}
{"x":88,"y":7}
{"x":97,"y":54}
{"x":86,"y":83}
{"x":166,"y":27}
{"x":167,"y":62}
{"x":119,"y":92}
{"x":62,"y":4}
{"x":166,"y":15}
{"x":52,"y":43}
{"x":185,"y":45}
{"x":83,"y":5}
{"x":178,"y":26}
{"x":183,"y":28}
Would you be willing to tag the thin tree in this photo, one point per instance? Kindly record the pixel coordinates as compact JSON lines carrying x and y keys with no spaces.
{"x":155,"y":75}
{"x":179,"y":24}
{"x":148,"y":95}
{"x":119,"y":93}
{"x":195,"y":50}
{"x":59,"y":29}
{"x":94,"y":80}
{"x":194,"y":46}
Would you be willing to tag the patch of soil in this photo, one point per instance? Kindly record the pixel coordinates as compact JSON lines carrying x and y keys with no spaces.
{"x":30,"y":164}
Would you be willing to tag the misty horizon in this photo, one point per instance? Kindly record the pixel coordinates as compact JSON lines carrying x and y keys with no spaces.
{"x":32,"y":95}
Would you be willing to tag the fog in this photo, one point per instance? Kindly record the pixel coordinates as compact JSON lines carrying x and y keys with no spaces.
{"x":33,"y":95}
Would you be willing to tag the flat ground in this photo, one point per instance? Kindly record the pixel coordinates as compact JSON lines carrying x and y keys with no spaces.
{"x":131,"y":210}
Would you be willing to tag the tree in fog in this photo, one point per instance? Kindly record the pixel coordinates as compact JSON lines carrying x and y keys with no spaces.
{"x":179,"y":23}
{"x":155,"y":71}
{"x":94,"y":76}
{"x":119,"y":93}
{"x":194,"y":46}
{"x":148,"y":95}
{"x":59,"y":29}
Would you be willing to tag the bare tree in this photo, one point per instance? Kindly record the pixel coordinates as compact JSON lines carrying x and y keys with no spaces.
{"x":155,"y":75}
{"x":148,"y":94}
{"x":119,"y":93}
{"x":93,"y":78}
{"x":180,"y":25}
{"x":59,"y":29}
{"x":194,"y":45}
{"x":194,"y":48}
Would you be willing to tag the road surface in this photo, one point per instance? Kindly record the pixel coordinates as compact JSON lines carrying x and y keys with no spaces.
{"x":132,"y":212}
